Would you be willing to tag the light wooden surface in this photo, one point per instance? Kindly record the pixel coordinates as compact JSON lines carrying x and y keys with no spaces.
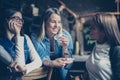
{"x":36,"y":74}
{"x":78,"y":58}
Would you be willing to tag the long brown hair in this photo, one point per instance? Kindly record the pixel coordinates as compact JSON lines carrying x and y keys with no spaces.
{"x":108,"y":23}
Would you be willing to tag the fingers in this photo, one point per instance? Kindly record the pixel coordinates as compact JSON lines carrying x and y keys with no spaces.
{"x":59,"y":63}
{"x":66,"y":60}
{"x":11,"y":25}
{"x":63,"y":61}
{"x":14,"y":27}
{"x":16,"y":67}
{"x":64,"y":40}
{"x":13,"y":64}
{"x":13,"y":67}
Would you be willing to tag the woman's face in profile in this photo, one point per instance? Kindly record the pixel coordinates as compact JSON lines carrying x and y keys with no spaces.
{"x":15,"y":22}
{"x":53,"y":24}
{"x":96,"y":33}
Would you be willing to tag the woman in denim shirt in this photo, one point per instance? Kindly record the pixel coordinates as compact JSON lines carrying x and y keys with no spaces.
{"x":16,"y":45}
{"x":54,"y":54}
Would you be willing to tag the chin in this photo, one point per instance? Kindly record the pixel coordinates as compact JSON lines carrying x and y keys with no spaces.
{"x":55,"y":32}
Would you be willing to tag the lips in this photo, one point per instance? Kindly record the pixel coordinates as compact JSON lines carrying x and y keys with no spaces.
{"x":19,"y":25}
{"x":55,"y":30}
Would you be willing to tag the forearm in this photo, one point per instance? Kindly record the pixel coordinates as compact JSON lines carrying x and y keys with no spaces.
{"x":48,"y":63}
{"x":19,"y":49}
{"x":34,"y":57}
{"x":58,"y":63}
{"x":5,"y":57}
{"x":67,"y":52}
{"x":35,"y":62}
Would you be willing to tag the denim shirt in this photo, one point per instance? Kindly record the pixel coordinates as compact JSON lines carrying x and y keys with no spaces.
{"x":58,"y":49}
{"x":40,"y":48}
{"x":9,"y":46}
{"x":43,"y":47}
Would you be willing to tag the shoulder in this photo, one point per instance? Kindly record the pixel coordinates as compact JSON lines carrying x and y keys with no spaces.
{"x":115,"y":51}
{"x":35,"y":41}
{"x":33,"y":36}
{"x":65,"y":31}
{"x":117,"y":47}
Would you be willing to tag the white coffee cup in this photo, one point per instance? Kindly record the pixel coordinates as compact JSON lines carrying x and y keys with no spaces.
{"x":57,"y":38}
{"x":70,"y":60}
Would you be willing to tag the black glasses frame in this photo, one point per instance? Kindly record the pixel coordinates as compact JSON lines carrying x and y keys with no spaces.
{"x":18,"y":19}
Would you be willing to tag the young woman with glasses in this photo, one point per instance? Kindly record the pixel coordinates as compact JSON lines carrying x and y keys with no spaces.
{"x":17,"y":46}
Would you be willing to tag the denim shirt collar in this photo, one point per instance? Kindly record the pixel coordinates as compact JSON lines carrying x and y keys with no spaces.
{"x":46,"y":39}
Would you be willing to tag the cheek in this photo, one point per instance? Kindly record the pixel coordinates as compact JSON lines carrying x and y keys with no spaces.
{"x":94,"y":35}
{"x":49,"y":29}
{"x":50,"y":25}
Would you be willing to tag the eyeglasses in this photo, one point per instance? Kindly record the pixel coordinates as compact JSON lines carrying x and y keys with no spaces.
{"x":18,"y":19}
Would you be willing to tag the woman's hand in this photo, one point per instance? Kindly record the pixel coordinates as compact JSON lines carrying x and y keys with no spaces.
{"x":58,"y":63}
{"x":15,"y":27}
{"x":61,"y":62}
{"x":65,"y":41}
{"x":16,"y":67}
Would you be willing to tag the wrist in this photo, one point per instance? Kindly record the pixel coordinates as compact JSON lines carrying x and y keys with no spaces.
{"x":48,"y":63}
{"x":24,"y":70}
{"x":65,"y":53}
{"x":51,"y":63}
{"x":18,"y":34}
{"x":66,"y":50}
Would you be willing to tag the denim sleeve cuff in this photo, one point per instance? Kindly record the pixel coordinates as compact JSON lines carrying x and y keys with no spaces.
{"x":46,"y":58}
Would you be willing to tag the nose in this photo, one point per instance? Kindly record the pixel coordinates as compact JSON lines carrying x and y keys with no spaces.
{"x":20,"y":22}
{"x":56,"y":24}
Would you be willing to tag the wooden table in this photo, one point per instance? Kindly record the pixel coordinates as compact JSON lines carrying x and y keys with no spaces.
{"x":37,"y":74}
{"x":79,"y":58}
